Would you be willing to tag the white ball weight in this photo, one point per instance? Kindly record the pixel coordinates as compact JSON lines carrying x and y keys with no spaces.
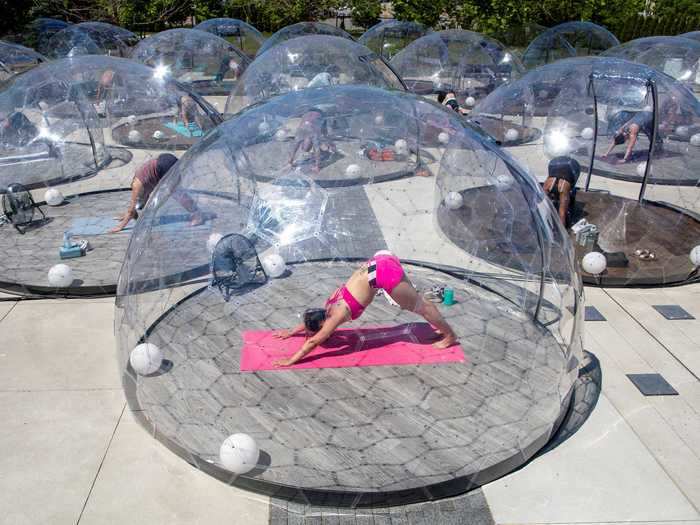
{"x":594,"y":263}
{"x":512,"y":135}
{"x":454,"y":200}
{"x":53,"y":197}
{"x":587,"y":133}
{"x":239,"y":453}
{"x":134,"y":135}
{"x":470,"y":102}
{"x":353,"y":170}
{"x":61,"y":276}
{"x":401,"y":147}
{"x":274,"y":265}
{"x":443,"y":137}
{"x":695,"y":256}
{"x":695,"y":140}
{"x":146,"y":359}
{"x":213,"y":240}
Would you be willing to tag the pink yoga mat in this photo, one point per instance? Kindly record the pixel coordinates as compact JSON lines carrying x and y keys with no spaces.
{"x":406,"y":344}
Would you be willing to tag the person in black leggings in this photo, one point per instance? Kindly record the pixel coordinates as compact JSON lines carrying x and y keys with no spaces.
{"x":642,"y":121}
{"x":561,"y":183}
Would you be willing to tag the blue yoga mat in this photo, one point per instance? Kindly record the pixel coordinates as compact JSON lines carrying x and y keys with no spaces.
{"x":179,"y":127}
{"x":101,"y":225}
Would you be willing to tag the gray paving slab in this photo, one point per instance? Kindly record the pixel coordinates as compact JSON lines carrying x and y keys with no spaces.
{"x":652,"y":385}
{"x":356,"y":430}
{"x":673,"y":312}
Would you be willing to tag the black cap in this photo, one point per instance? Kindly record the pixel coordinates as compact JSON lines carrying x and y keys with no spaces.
{"x":165,"y":162}
{"x":564,"y":167}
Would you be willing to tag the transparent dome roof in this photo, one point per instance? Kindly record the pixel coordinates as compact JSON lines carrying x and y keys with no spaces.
{"x":319,"y":181}
{"x":205,"y":62}
{"x":139,"y":108}
{"x":91,"y":38}
{"x":676,"y":56}
{"x":567,"y":40}
{"x":16,"y":59}
{"x":694,"y":35}
{"x":302,"y":29}
{"x":470,"y":64}
{"x":390,"y":36}
{"x":308,"y":62}
{"x":39,"y":31}
{"x":242,"y":35}
{"x":635,"y":191}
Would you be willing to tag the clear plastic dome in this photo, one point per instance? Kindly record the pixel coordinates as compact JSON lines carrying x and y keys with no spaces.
{"x":319,"y":181}
{"x":571,"y":39}
{"x":635,"y":192}
{"x":676,"y":56}
{"x":16,"y":59}
{"x":91,"y":38}
{"x":39,"y":31}
{"x":470,"y":64}
{"x":390,"y":36}
{"x":83,"y":127}
{"x":242,"y":35}
{"x":308,"y":62}
{"x":140,"y":106}
{"x":302,"y":29}
{"x":694,"y":35}
{"x":208,"y":64}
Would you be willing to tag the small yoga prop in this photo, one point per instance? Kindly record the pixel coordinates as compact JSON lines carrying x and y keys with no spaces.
{"x":134,"y":135}
{"x":645,"y":255}
{"x":695,"y":140}
{"x":53,"y":197}
{"x":70,"y":249}
{"x":60,"y":276}
{"x":146,"y":359}
{"x":594,"y":263}
{"x":443,"y":137}
{"x":239,"y":453}
{"x":470,"y":102}
{"x":448,"y":298}
{"x":587,"y":133}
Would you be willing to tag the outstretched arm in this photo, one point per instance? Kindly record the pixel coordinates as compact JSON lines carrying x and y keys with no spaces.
{"x":286,"y":334}
{"x":319,"y":338}
{"x":136,"y":191}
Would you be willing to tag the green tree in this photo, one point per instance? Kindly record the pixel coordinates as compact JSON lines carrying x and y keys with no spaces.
{"x":426,"y":12}
{"x":365,"y":13}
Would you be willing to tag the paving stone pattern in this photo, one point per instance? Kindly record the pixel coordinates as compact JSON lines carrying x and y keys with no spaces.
{"x":470,"y":508}
{"x":356,"y":429}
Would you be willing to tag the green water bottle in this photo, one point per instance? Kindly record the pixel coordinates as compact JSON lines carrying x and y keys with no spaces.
{"x":448,"y":297}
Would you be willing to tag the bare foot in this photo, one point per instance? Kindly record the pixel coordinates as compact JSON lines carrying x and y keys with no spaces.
{"x":197,"y":219}
{"x":423,"y":173}
{"x":446,"y":342}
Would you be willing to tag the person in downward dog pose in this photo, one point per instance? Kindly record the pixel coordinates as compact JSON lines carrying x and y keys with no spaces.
{"x":347,"y":303}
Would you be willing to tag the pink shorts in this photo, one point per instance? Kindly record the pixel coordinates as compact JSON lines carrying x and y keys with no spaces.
{"x":384,"y":271}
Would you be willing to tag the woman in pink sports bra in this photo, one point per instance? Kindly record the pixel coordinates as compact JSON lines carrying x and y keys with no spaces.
{"x":382,"y":272}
